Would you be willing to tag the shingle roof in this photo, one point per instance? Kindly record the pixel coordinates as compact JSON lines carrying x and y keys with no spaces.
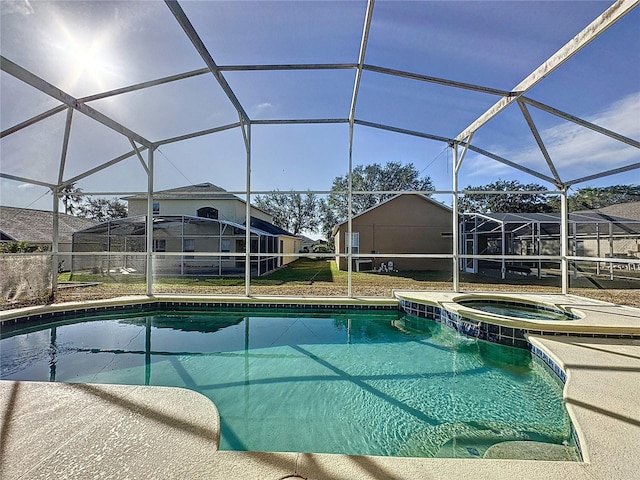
{"x":590,"y":216}
{"x":626,"y":210}
{"x":269,"y":227}
{"x":36,"y":226}
{"x":200,"y":191}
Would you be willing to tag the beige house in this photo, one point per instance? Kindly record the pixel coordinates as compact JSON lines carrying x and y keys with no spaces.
{"x":404,"y":224}
{"x":190,"y":220}
{"x":204,"y":200}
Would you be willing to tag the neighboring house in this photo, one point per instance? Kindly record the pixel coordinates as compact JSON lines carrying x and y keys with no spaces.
{"x":591,"y":234}
{"x":404,"y":224}
{"x":204,"y":200}
{"x":307,"y":244}
{"x":36,"y":228}
{"x":201,"y":218}
{"x":624,"y":210}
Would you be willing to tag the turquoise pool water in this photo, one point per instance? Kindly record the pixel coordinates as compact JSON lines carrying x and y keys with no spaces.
{"x":355,"y":383}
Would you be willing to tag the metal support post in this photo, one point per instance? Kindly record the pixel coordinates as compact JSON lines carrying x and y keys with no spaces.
{"x":55,"y":243}
{"x":247,"y":269}
{"x":150,"y":223}
{"x":454,"y":220}
{"x":564,"y":240}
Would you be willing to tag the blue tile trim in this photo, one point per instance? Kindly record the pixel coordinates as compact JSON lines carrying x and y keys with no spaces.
{"x":511,"y":336}
{"x":192,"y":306}
{"x":542,"y":355}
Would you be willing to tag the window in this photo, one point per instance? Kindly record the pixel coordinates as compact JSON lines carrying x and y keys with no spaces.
{"x":159,"y":245}
{"x":208,"y":212}
{"x":188,"y":245}
{"x":156,"y":208}
{"x":355,"y":242}
{"x":225,"y":246}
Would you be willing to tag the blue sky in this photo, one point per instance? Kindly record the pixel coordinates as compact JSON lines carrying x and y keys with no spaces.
{"x":89,"y":47}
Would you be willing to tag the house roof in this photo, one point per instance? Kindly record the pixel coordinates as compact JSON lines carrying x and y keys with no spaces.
{"x":36,"y":226}
{"x":136,"y":225}
{"x":576,"y":217}
{"x":626,"y":210}
{"x":270,"y":228}
{"x":420,"y":195}
{"x":549,"y":222}
{"x":200,"y":191}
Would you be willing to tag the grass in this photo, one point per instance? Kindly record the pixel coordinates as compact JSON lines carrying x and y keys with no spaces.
{"x":320,"y":277}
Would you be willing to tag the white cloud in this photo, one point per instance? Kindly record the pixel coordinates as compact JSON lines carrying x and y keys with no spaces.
{"x":20,"y":7}
{"x":574,"y":150}
{"x":263,"y":107}
{"x":571,"y":145}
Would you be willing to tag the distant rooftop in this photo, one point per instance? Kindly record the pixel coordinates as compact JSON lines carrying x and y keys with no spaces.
{"x":36,"y":226}
{"x":200,"y":191}
{"x":626,"y":210}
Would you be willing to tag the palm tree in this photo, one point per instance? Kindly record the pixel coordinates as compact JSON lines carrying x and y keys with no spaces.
{"x":70,"y":196}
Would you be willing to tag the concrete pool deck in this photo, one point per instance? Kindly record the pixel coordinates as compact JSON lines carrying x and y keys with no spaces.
{"x":54,"y":430}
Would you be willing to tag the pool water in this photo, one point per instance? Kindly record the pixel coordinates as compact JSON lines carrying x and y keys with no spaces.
{"x":354,"y":383}
{"x":517,"y":310}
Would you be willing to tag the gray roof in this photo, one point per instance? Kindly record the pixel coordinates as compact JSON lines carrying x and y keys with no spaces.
{"x":626,"y":210}
{"x":36,"y":226}
{"x":201,"y":191}
{"x":577,"y":217}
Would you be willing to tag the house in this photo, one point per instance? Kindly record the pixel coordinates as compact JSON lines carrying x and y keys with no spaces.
{"x":591,"y":234}
{"x":36,"y":228}
{"x":624,"y":210}
{"x":189,"y":220}
{"x":403,"y":224}
{"x":204,"y":200}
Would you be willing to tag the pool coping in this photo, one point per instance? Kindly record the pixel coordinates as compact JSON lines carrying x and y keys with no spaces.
{"x":133,"y":302}
{"x":597,"y":318}
{"x":601,"y":390}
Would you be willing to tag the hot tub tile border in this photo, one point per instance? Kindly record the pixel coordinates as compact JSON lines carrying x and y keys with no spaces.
{"x":504,"y":335}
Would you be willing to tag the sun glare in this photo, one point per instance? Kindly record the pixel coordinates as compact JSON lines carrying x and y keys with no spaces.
{"x":86,"y":59}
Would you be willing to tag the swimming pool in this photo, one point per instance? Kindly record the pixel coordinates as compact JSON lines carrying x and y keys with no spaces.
{"x":376,"y":383}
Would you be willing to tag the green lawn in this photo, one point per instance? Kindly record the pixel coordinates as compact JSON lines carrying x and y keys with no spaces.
{"x":321,"y":277}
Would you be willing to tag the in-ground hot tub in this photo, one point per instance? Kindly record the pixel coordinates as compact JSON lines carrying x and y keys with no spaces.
{"x":517,"y":309}
{"x":497,"y":318}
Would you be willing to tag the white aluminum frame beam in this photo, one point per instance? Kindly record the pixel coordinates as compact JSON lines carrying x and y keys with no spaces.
{"x":448,"y":140}
{"x":199,"y":45}
{"x":633,"y":166}
{"x":45,"y":87}
{"x":352,"y":117}
{"x":541,"y":146}
{"x":580,"y":121}
{"x":17,"y":178}
{"x":439,"y":81}
{"x":610,"y":16}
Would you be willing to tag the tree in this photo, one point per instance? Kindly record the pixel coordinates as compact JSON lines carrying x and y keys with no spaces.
{"x":592,"y":198}
{"x":293,"y":212}
{"x":392,"y":177}
{"x":71,"y":197}
{"x":507,"y":202}
{"x":102,"y":209}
